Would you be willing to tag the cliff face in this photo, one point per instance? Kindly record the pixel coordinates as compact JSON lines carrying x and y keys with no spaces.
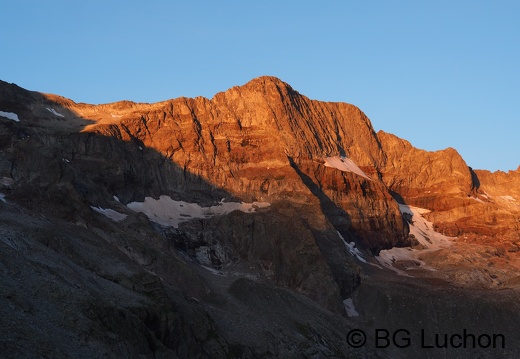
{"x":420,"y":175}
{"x":259,"y":142}
{"x":320,"y":194}
{"x":262,"y":141}
{"x":473,"y":204}
{"x":479,"y":209}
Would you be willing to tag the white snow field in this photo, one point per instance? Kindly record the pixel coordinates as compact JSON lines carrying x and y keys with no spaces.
{"x":10,"y":115}
{"x":168,"y":212}
{"x":110,"y":213}
{"x":423,"y":232}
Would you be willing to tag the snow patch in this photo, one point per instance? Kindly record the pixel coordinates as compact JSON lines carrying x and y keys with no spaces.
{"x":344,"y":164}
{"x":6,"y":181}
{"x":116,"y":116}
{"x":352,"y":249}
{"x":425,"y":235}
{"x":116,"y":199}
{"x":168,"y":212}
{"x":10,"y":115}
{"x":508,"y":198}
{"x":110,"y":213}
{"x":350,"y":308}
{"x":2,"y":197}
{"x":423,"y":229}
{"x":54,"y":112}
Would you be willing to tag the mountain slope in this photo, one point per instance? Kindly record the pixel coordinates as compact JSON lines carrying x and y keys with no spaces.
{"x":209,"y":213}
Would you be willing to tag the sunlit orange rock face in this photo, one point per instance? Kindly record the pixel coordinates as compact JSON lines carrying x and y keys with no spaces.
{"x":266,"y":142}
{"x":478,"y":204}
{"x":259,"y":142}
{"x":262,"y":141}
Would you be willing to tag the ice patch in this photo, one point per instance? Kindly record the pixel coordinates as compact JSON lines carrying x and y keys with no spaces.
{"x":168,"y":212}
{"x":10,"y":115}
{"x":425,"y":235}
{"x":54,"y":112}
{"x":349,"y":308}
{"x":344,"y":164}
{"x":110,"y":213}
{"x":2,"y":197}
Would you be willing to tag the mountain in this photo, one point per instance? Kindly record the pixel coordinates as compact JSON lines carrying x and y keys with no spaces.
{"x":259,"y":223}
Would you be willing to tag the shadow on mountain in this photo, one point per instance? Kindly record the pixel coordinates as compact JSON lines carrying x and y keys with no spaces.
{"x":41,"y":111}
{"x":397,"y":197}
{"x":475,"y":182}
{"x":75,"y":283}
{"x":59,"y":173}
{"x":336,"y":215}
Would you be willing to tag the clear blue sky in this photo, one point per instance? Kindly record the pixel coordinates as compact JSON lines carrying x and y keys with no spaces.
{"x":437,"y":73}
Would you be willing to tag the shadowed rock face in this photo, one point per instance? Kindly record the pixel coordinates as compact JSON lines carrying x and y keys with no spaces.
{"x":204,"y":289}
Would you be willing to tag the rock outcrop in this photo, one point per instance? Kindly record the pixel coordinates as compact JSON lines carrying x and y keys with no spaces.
{"x":464,"y":202}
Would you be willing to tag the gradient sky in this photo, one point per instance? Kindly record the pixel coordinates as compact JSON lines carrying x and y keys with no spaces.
{"x":437,"y":73}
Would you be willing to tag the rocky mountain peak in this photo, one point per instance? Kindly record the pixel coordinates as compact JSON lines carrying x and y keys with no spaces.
{"x":181,"y":218}
{"x":265,"y":83}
